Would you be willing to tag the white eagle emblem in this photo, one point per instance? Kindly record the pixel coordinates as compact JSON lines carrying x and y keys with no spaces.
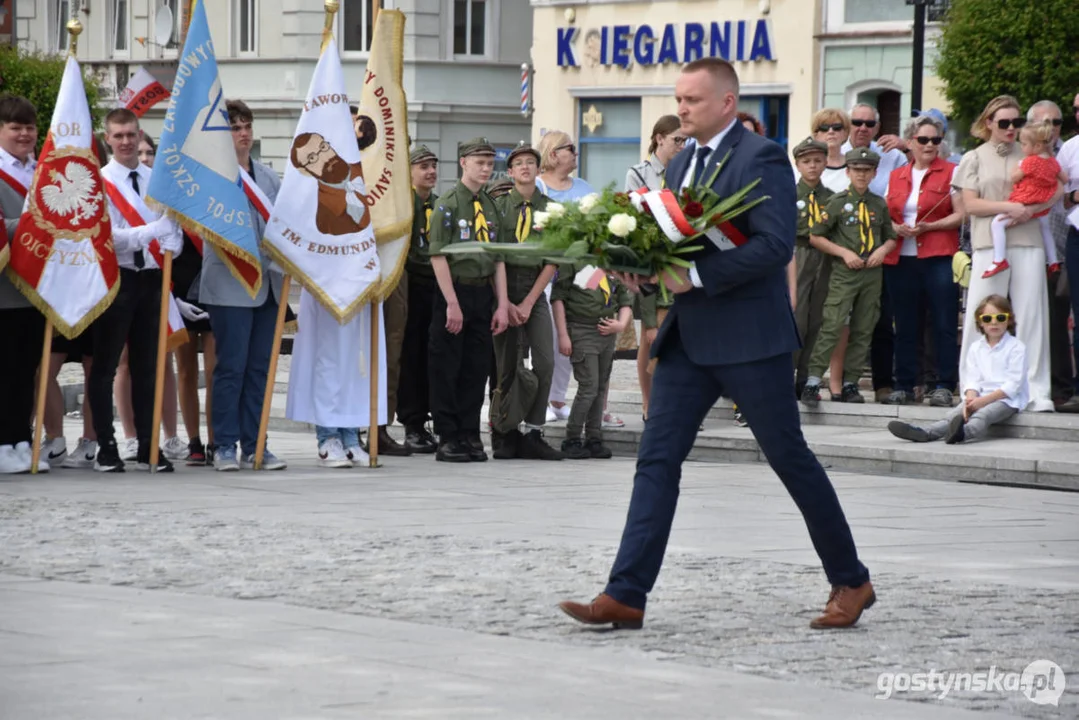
{"x":73,"y":194}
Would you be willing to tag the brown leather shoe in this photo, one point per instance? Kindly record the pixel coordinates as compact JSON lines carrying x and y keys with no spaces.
{"x":845,"y":606}
{"x":605,"y":609}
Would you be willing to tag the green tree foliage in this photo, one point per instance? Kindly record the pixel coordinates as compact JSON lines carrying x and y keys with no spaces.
{"x":36,"y":77}
{"x":1009,"y":47}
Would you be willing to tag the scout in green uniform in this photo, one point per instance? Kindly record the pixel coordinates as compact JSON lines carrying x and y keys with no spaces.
{"x":813,"y":267}
{"x":590,"y":310}
{"x":854,"y":228}
{"x":465,"y":315}
{"x":530,"y":315}
{"x":413,"y":394}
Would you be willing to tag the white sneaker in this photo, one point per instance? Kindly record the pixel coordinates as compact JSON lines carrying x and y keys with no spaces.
{"x":358,"y":456}
{"x":129,"y":449}
{"x":54,"y":451}
{"x":11,"y":463}
{"x":175,"y":449}
{"x":555,"y":414}
{"x":82,"y":457}
{"x":331,"y":454}
{"x":612,"y":421}
{"x":25,"y":453}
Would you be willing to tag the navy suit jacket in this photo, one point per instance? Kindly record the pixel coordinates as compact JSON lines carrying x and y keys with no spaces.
{"x":742,"y":313}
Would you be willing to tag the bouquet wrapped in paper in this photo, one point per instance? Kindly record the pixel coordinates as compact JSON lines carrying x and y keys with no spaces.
{"x":644,"y":232}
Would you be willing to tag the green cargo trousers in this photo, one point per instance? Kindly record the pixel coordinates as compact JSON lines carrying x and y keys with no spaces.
{"x":853,"y":295}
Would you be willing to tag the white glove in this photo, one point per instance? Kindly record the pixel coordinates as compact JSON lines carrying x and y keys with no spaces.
{"x":191,"y":312}
{"x":155,"y":230}
{"x":172,"y":242}
{"x":274,"y":267}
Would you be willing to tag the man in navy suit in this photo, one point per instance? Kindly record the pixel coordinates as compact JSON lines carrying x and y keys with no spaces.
{"x":730,"y":332}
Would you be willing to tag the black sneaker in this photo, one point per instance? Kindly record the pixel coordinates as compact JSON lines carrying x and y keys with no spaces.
{"x":597,"y":450}
{"x":851,"y":394}
{"x":575,"y":450}
{"x":108,"y":459}
{"x":956,"y":433}
{"x":740,"y":419}
{"x":474,"y":445}
{"x":452,"y":451}
{"x":532,"y":446}
{"x":196,"y":456}
{"x":419,"y":441}
{"x":505,"y":446}
{"x":906,"y":431}
{"x":163,"y":464}
{"x":811,"y":395}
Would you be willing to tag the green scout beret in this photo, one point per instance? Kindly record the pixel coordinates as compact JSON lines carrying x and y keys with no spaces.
{"x":809,"y":146}
{"x":522,"y":148}
{"x":422,"y":153}
{"x":862,"y":157}
{"x":476,"y":146}
{"x":498,"y":188}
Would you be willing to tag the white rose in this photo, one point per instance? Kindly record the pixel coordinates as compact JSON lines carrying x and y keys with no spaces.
{"x":588,"y":202}
{"x":556,"y":210}
{"x":621,"y":225}
{"x":539,"y":220}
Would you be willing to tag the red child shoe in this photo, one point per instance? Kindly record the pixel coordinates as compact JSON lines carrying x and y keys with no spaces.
{"x":1053,"y":268}
{"x":997,"y":267}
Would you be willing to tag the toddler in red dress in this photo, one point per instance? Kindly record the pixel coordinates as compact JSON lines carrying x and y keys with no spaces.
{"x":1033,"y":183}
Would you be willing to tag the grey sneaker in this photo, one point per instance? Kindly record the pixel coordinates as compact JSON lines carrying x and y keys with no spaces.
{"x":941,"y":397}
{"x":898,"y":397}
{"x":225,"y":460}
{"x":269,"y":462}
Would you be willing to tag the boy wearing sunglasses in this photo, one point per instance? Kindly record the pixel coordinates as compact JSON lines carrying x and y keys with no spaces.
{"x":856,"y":229}
{"x":995,"y":383}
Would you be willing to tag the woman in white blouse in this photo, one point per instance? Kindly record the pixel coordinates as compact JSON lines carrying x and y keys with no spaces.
{"x":984,"y":177}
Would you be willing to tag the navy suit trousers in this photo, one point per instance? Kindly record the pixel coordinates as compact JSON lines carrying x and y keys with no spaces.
{"x":682,"y":393}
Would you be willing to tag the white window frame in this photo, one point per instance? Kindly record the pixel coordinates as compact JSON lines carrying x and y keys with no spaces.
{"x":111,"y":28}
{"x":365,"y":21}
{"x":834,"y":20}
{"x":238,"y":30}
{"x":58,"y":37}
{"x":490,"y":19}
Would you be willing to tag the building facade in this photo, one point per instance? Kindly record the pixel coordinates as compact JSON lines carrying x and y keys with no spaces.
{"x":462,"y":60}
{"x":605,"y":70}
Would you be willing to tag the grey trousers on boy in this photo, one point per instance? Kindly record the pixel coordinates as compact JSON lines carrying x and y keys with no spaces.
{"x":978,"y":424}
{"x":592,"y":358}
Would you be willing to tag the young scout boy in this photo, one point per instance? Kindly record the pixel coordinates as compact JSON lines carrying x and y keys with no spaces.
{"x":530,"y":315}
{"x":813,"y":266}
{"x":590,"y":311}
{"x":854,"y":228}
{"x":459,"y":352}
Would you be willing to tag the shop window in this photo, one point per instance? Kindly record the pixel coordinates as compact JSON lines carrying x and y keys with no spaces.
{"x":246,"y":26}
{"x":770,"y":110}
{"x":118,"y":8}
{"x":873,"y":11}
{"x":357,"y":26}
{"x":609,"y":140}
{"x":470,"y":27}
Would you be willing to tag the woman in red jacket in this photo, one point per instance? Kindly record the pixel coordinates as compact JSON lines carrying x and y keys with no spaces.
{"x":927,"y":216}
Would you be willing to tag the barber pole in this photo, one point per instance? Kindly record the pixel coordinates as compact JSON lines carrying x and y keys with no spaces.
{"x":525,"y":73}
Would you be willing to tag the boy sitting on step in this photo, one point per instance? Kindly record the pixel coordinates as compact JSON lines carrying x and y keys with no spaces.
{"x":590,"y":311}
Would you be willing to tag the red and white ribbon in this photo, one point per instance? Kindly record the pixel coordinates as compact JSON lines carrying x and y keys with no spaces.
{"x":663,"y":204}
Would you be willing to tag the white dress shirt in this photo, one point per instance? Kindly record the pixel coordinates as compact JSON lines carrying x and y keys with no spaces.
{"x":21,"y":171}
{"x":126,"y":239}
{"x":889,"y":161}
{"x":1001,"y":367}
{"x":713,"y":144}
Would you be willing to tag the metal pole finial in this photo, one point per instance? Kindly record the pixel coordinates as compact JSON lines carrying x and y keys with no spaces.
{"x":331,"y":7}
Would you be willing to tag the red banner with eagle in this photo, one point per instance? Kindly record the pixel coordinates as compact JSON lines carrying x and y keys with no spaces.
{"x":61,"y":256}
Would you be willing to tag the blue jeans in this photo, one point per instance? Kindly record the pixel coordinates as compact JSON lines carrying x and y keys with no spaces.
{"x":244,"y":339}
{"x":350,"y":437}
{"x":912,"y":282}
{"x":682,"y":394}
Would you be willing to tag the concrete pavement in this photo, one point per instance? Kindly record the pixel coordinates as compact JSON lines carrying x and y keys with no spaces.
{"x":424,"y":590}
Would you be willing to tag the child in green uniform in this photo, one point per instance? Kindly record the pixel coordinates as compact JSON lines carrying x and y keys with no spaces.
{"x":590,"y":310}
{"x":856,"y":230}
{"x":813,"y":267}
{"x":465,"y":310}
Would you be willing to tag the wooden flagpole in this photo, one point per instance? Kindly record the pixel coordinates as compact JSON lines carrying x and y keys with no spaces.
{"x":376,"y":353}
{"x":162,"y":356}
{"x":42,"y":389}
{"x":271,"y":375}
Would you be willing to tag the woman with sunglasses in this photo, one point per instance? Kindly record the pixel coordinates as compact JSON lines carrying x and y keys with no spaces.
{"x":995,"y":384}
{"x":832,"y":127}
{"x":927,"y":218}
{"x":985,"y":178}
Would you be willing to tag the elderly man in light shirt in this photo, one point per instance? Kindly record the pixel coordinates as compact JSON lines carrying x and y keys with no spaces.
{"x":864,"y":126}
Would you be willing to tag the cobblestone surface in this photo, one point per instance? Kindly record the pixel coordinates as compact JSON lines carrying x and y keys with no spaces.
{"x":744,"y":614}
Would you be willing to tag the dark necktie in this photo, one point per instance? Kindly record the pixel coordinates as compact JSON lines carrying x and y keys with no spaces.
{"x":139,"y":258}
{"x":702,"y":161}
